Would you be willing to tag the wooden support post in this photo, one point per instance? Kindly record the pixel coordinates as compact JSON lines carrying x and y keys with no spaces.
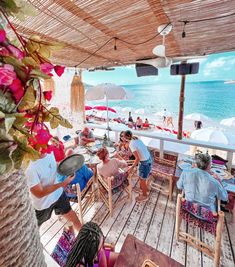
{"x":181,"y":108}
{"x":161,"y":149}
{"x":230,"y":160}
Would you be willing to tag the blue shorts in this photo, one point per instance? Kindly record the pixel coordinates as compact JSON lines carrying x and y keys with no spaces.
{"x":145,"y":168}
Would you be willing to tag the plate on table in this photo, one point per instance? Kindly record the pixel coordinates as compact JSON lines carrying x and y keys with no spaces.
{"x":80,"y":150}
{"x":184,"y":165}
{"x":218,"y":171}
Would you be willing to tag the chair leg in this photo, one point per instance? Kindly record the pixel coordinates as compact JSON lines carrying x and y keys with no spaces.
{"x":110,"y":202}
{"x":129,"y":191}
{"x":178,"y":217}
{"x":219,"y":230}
{"x":170,"y":188}
{"x":79,"y":203}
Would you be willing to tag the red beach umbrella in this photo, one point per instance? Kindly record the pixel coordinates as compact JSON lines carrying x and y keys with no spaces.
{"x":104,"y":108}
{"x":88,"y":108}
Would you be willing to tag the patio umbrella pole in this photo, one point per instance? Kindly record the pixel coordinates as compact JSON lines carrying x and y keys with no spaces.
{"x":107,"y":116}
{"x":181,"y":108}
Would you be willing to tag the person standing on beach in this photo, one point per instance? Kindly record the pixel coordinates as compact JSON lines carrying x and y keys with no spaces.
{"x":130,"y":120}
{"x":198,"y":125}
{"x":143,"y":159}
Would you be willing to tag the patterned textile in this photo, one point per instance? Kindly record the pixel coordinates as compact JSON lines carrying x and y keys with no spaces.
{"x":119,"y":182}
{"x":199,"y":216}
{"x":71,"y":192}
{"x":163,"y":168}
{"x":63,"y":247}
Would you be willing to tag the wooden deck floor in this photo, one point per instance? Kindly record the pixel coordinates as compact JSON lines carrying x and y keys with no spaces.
{"x":154,"y":223}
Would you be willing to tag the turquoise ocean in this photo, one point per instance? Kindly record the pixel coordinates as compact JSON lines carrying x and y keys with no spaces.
{"x":213,"y":98}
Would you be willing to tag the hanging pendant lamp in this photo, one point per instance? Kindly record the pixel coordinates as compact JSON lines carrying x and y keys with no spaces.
{"x":77,"y":94}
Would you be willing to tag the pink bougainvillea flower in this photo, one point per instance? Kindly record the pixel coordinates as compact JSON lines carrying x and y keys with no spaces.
{"x":59,"y":70}
{"x":46,"y":67}
{"x":2,"y":36}
{"x":43,"y":136}
{"x":4,"y":52}
{"x":7,"y":75}
{"x":17,"y":90}
{"x":47,"y":95}
{"x":16,"y":51}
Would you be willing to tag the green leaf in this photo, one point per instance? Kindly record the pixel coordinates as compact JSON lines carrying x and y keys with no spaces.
{"x":54,"y":123}
{"x":28,"y":100}
{"x":36,"y":73}
{"x":14,"y":62}
{"x":29,"y":61}
{"x":65,"y":123}
{"x":5,"y":159}
{"x":17,"y":157}
{"x":7,"y":104}
{"x":2,"y":115}
{"x":8,"y":123}
{"x":54,"y":111}
{"x":45,"y":51}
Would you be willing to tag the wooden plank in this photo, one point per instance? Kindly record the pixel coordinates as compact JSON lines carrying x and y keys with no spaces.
{"x":210,"y":240}
{"x":130,"y":224}
{"x":167,"y":231}
{"x":230,"y":224}
{"x":227,"y":258}
{"x":142,"y":227}
{"x":156,"y":222}
{"x":193,"y":255}
{"x":112,"y":227}
{"x":178,"y":249}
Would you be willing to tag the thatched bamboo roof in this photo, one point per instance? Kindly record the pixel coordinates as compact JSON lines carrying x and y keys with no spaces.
{"x":84,"y":26}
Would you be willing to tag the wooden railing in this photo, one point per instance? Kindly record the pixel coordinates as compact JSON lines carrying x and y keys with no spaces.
{"x":171,"y":138}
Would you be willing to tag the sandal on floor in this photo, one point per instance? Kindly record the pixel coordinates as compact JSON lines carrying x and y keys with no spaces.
{"x":141,"y":198}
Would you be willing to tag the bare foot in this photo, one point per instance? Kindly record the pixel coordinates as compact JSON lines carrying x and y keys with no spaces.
{"x":141,"y":198}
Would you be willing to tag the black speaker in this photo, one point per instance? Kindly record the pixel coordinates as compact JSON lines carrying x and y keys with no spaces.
{"x":145,"y":70}
{"x":185,"y":68}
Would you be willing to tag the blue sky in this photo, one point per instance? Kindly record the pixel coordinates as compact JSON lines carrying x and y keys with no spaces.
{"x":214,"y":67}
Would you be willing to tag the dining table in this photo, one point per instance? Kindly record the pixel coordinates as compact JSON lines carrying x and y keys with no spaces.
{"x":136,"y":253}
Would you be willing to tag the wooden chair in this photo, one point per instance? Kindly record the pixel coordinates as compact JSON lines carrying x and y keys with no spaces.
{"x":83,"y":198}
{"x":215,"y":226}
{"x":106,"y":192}
{"x":163,"y":169}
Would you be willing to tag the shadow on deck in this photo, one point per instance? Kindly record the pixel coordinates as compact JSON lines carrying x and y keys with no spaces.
{"x":152,"y":222}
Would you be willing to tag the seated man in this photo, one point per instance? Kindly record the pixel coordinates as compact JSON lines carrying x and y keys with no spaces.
{"x":86,"y":136}
{"x":200,"y":186}
{"x":82,"y":176}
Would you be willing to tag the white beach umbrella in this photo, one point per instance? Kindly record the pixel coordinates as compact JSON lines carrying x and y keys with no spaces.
{"x":230,"y":122}
{"x":139,"y":111}
{"x":126,"y":109}
{"x":213,"y":135}
{"x":197,"y":117}
{"x":106,"y":91}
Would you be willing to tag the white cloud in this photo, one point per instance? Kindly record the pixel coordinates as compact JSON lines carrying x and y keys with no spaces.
{"x":211,"y":68}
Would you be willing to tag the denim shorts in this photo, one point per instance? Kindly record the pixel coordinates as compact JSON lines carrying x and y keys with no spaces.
{"x":145,"y":168}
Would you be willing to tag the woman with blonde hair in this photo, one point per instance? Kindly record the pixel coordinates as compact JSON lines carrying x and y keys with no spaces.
{"x":109,"y":167}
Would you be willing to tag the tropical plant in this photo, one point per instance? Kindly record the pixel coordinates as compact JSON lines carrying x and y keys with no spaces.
{"x":24,"y":106}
